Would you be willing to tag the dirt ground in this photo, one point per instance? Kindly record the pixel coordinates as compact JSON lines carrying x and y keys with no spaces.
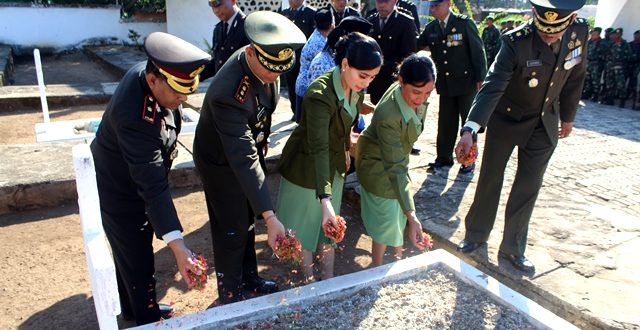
{"x":17,"y":127}
{"x":45,"y":282}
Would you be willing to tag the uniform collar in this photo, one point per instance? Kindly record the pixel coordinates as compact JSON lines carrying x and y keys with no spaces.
{"x":446,"y":19}
{"x":248,"y":68}
{"x":337,"y":83}
{"x":407,"y":112}
{"x":233,"y":18}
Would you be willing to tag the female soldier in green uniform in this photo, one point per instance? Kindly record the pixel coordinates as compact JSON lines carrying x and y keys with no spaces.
{"x":383,"y":157}
{"x":315,"y":158}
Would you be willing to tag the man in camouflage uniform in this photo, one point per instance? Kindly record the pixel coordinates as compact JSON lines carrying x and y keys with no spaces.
{"x":634,"y":68}
{"x":595,"y":57}
{"x":491,"y":40}
{"x":616,"y":61}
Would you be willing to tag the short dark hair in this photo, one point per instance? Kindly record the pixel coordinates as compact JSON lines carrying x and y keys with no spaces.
{"x":361,"y":51}
{"x":417,"y":70}
{"x":152,"y":69}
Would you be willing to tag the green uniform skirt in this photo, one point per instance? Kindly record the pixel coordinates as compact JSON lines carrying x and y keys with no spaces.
{"x":383,"y":218}
{"x":299,"y":209}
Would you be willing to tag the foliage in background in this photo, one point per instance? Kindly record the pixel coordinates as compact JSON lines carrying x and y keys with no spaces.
{"x":134,"y":36}
{"x":64,"y":2}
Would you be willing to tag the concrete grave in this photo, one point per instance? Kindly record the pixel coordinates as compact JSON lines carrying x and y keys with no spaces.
{"x":266,"y":307}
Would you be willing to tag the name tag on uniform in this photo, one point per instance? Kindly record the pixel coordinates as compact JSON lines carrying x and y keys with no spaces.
{"x":533,"y":63}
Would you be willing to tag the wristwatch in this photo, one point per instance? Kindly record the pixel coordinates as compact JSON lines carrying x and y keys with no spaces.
{"x":474,"y":135}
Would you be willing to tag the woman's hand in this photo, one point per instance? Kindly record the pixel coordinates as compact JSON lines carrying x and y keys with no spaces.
{"x":415,"y":229}
{"x":328,"y":214}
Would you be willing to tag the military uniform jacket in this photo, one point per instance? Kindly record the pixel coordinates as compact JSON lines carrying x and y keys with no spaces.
{"x":222,"y":47}
{"x":234,"y":125}
{"x":133,"y":151}
{"x":337,"y":17}
{"x":527,"y":82}
{"x":303,"y":18}
{"x":382,"y":160}
{"x":458,"y":54}
{"x":397,"y":40}
{"x":313,"y":153}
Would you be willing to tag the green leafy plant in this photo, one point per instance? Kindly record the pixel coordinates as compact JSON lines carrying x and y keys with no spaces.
{"x":134,"y":36}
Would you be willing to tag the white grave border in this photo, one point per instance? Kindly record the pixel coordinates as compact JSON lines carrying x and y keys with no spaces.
{"x":338,"y":286}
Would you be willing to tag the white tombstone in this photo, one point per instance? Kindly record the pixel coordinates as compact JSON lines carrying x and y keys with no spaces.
{"x":102,"y":271}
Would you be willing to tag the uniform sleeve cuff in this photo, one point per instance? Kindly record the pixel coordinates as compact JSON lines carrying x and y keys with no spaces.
{"x":171,"y":236}
{"x":473,"y":125}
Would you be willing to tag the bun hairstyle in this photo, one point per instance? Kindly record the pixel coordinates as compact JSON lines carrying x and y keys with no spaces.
{"x":362,"y":52}
{"x":347,"y":25}
{"x":417,"y":69}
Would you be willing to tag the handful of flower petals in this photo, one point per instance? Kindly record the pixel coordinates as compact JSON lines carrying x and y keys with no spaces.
{"x":288,"y":248}
{"x":426,"y":243}
{"x":200,"y":263}
{"x":470,"y":157}
{"x":335,"y":232}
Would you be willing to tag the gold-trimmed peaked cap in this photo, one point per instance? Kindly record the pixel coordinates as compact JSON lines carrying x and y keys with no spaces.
{"x":554,"y":16}
{"x":275,"y":39}
{"x":179,"y":61}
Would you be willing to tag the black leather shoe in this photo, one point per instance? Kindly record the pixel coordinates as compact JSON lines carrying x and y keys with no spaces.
{"x":519,"y":262}
{"x":439,"y":164}
{"x":467,"y":169}
{"x":415,"y":151}
{"x":260,"y":285}
{"x":467,"y":246}
{"x":166,"y":312}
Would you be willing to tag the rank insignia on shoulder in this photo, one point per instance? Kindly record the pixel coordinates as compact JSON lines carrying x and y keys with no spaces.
{"x":519,"y":34}
{"x":242,"y":90}
{"x":149,"y":110}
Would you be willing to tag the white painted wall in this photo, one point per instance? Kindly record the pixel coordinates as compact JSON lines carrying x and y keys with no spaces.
{"x":191,"y":20}
{"x":61,"y":27}
{"x":619,"y":13}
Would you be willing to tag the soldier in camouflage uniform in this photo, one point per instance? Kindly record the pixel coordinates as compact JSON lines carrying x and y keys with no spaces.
{"x":605,"y":45}
{"x":491,"y":40}
{"x":595,"y":57}
{"x":634,"y":68}
{"x":616,"y":61}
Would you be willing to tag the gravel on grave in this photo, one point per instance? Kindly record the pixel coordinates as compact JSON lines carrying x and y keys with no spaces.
{"x":433,"y":299}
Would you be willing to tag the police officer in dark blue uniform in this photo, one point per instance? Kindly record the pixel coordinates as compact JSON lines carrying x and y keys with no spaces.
{"x":230,"y":145}
{"x":133,"y":151}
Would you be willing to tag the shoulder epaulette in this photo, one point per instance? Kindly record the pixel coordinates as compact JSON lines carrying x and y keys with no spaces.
{"x":519,"y":33}
{"x":242,"y":90}
{"x":149,"y":109}
{"x":405,"y":13}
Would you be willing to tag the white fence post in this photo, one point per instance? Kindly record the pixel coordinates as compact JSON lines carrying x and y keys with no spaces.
{"x":102,"y":270}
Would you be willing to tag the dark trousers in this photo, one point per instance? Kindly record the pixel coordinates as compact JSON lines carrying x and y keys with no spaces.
{"x":130,"y":237}
{"x":231,"y":219}
{"x":452,"y":111}
{"x":533,"y":159}
{"x":291,"y":78}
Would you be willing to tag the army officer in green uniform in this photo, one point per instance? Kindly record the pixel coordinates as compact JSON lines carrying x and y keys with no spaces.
{"x":535,"y":81}
{"x":383,"y":157}
{"x":458,"y":52}
{"x":230,"y":145}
